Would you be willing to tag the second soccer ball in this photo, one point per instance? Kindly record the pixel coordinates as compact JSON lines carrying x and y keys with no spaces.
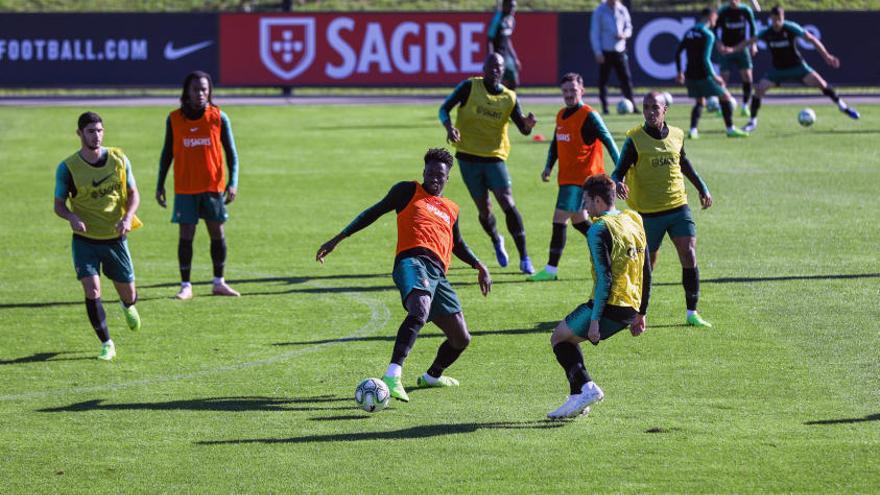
{"x":807,"y":117}
{"x":624,"y":106}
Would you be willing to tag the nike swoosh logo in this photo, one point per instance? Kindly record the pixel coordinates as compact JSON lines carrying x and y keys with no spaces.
{"x":97,"y":183}
{"x":172,"y":53}
{"x":193,"y":129}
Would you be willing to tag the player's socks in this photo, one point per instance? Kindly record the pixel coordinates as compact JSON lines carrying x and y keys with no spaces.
{"x":755,"y":106}
{"x":693,"y":134}
{"x":218,"y":255}
{"x":727,"y":113}
{"x":500,"y":251}
{"x":406,"y":337}
{"x":581,"y":227}
{"x":569,"y":356}
{"x":747,"y":96}
{"x":517,"y":230}
{"x":108,"y":351}
{"x":98,"y":318}
{"x":184,"y":258}
{"x":394,"y":369}
{"x":832,"y":93}
{"x":557,"y":244}
{"x":696,"y":113}
{"x":446,"y":355}
{"x":690,"y":280}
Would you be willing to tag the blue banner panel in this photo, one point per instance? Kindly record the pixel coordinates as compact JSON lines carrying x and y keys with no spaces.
{"x":105,"y":49}
{"x":850,"y":36}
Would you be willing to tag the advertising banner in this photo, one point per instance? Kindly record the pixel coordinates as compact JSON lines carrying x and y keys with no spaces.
{"x":105,"y":49}
{"x":377,"y":49}
{"x":656,"y":35}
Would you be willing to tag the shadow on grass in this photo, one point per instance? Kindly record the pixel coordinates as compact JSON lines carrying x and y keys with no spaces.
{"x":42,"y":357}
{"x":542,"y":327}
{"x":783,"y":278}
{"x":221,"y":404}
{"x":425,"y":431}
{"x":844,"y":421}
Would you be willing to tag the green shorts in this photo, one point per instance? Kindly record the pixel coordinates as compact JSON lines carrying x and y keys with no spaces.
{"x":736,"y":61}
{"x":677,"y":222}
{"x":481,"y":177}
{"x":570,"y":198}
{"x":419,"y":273}
{"x":90,"y":255}
{"x":579,"y":320}
{"x":790,"y":74}
{"x":701,"y":88}
{"x":188,"y":208}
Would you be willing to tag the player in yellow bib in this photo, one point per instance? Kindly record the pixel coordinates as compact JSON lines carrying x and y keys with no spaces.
{"x":620,"y":295}
{"x":103,"y":197}
{"x":479,"y":135}
{"x":650,"y":176}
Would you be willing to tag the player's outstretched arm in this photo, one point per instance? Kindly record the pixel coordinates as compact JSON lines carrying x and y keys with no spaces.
{"x":328,"y":247}
{"x":459,"y":96}
{"x":228,"y":142}
{"x":525,"y":123}
{"x":829,"y":59}
{"x":628,"y":157}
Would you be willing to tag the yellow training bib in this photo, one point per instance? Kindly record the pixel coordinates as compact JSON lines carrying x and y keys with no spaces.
{"x":655,"y":181}
{"x":483,"y":121}
{"x":628,"y":251}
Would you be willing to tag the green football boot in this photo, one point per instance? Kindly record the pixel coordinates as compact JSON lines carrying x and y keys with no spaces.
{"x":695,"y":320}
{"x":396,"y":387}
{"x":108,"y":352}
{"x":736,"y":133}
{"x":132,"y":317}
{"x":443,"y":381}
{"x":542,"y":276}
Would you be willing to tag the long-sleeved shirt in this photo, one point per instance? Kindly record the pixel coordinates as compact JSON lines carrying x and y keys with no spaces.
{"x":460,"y":95}
{"x":397,"y":199}
{"x":698,"y":42}
{"x":499,"y":33}
{"x":606,"y":24}
{"x":629,"y":156}
{"x":599,"y":241}
{"x":226,"y":139}
{"x":732,"y":23}
{"x":594,"y":128}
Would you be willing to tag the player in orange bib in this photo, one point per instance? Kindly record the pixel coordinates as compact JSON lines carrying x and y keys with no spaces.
{"x":427,"y":237}
{"x":196,"y":136}
{"x":577,"y":143}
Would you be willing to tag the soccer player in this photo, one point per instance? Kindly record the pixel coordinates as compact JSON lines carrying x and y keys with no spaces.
{"x":788,"y":63}
{"x":500,"y":42}
{"x":480,"y":137}
{"x":196,"y":136}
{"x":621,"y":290}
{"x":610,"y":27}
{"x":427,"y":237}
{"x":577,"y":143}
{"x":100,"y":187}
{"x":733,"y":20}
{"x":700,"y":77}
{"x":650,"y":176}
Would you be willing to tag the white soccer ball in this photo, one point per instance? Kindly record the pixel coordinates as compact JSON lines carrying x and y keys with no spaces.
{"x":372,"y":395}
{"x":713,"y":104}
{"x":668,"y":97}
{"x":624,"y":106}
{"x":806,"y":117}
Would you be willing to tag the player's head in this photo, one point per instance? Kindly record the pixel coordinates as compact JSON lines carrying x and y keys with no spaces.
{"x":572,"y":85}
{"x":734,"y":3}
{"x":198,"y":88}
{"x":90,"y":129}
{"x":777,"y":16}
{"x":508,"y":6}
{"x":654,"y":108}
{"x":438,"y":163}
{"x":493,"y":68}
{"x":709,"y":16}
{"x":599,"y":193}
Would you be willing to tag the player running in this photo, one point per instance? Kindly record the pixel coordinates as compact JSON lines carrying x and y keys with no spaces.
{"x":480,"y":138}
{"x":733,"y":21}
{"x":577,"y":143}
{"x":100,"y":187}
{"x":700,"y":77}
{"x":788,"y":63}
{"x":650,"y":176}
{"x":427,"y":237}
{"x":196,"y":136}
{"x":621,"y":290}
{"x":500,"y":42}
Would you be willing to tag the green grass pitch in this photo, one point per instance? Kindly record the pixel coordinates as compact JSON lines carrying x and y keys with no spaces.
{"x":254,"y":394}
